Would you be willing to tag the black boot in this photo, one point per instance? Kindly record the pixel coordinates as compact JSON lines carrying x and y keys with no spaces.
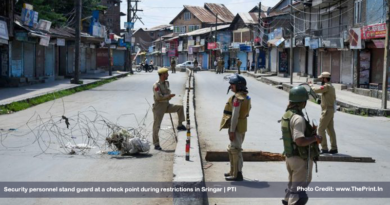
{"x":181,"y":128}
{"x":238,"y":178}
{"x":227,"y":174}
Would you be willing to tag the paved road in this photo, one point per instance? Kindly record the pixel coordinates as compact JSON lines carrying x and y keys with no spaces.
{"x":357,"y":136}
{"x":125,"y":96}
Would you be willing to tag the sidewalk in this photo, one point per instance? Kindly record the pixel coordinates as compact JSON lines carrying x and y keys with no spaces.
{"x":10,"y":95}
{"x":348,"y":101}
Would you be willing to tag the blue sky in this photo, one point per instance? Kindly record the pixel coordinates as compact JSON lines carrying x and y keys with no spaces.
{"x":158,"y":12}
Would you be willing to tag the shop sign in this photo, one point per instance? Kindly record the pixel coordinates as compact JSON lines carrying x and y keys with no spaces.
{"x":212,"y":45}
{"x":355,"y":38}
{"x":374,"y":31}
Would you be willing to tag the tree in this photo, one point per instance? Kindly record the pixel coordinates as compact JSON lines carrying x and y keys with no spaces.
{"x":59,"y":12}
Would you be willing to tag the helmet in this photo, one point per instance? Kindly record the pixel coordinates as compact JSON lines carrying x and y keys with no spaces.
{"x":239,"y":81}
{"x":298,"y":94}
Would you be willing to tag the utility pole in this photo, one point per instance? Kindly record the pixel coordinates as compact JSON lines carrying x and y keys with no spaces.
{"x":77,"y":43}
{"x":128,"y":50}
{"x":215,"y":39}
{"x":161,"y":45}
{"x":109,"y":55}
{"x":291,"y":43}
{"x":386,"y":61}
{"x":130,"y":19}
{"x":258,"y":54}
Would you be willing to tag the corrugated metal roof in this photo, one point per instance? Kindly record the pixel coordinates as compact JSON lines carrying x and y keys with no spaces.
{"x":202,"y":14}
{"x":223,"y":13}
{"x":156,"y":28}
{"x":205,"y":30}
{"x":248,"y":18}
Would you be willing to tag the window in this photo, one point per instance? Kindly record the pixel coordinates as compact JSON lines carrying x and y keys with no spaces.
{"x":179,"y":29}
{"x":187,"y":16}
{"x":358,"y":11}
{"x":193,"y":27}
{"x":152,"y":34}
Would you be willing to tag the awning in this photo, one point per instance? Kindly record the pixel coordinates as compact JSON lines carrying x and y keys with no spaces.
{"x":276,"y":42}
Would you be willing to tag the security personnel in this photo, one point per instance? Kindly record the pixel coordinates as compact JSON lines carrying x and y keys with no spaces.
{"x":173,"y":65}
{"x":162,"y":95}
{"x":235,"y":120}
{"x":328,"y":100}
{"x":239,"y":63}
{"x":196,"y":64}
{"x":300,"y":147}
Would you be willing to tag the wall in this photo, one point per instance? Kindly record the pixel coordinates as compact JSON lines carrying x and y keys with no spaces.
{"x":179,"y":21}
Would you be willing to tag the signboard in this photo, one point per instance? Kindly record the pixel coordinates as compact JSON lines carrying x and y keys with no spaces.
{"x":122,"y":43}
{"x":197,"y":40}
{"x":128,"y":37}
{"x":150,"y":50}
{"x":314,"y":44}
{"x":164,"y":50}
{"x":374,"y":31}
{"x":190,"y":51}
{"x":202,"y":42}
{"x":278,"y":33}
{"x":287,"y":43}
{"x":4,"y":30}
{"x":212,"y":45}
{"x":355,"y":38}
{"x":307,"y":41}
{"x":190,"y":43}
{"x":224,"y":38}
{"x":44,"y":25}
{"x":45,"y":41}
{"x":283,"y":62}
{"x":29,"y":17}
{"x":180,"y":47}
{"x":60,"y":42}
{"x":245,"y":48}
{"x":129,"y":25}
{"x":94,"y":26}
{"x":365,"y":67}
{"x":235,"y":45}
{"x":92,"y":46}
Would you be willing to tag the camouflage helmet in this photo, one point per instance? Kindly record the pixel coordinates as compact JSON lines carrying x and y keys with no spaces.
{"x":298,"y":94}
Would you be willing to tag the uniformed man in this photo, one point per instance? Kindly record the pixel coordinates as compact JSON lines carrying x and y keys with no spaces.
{"x":300,"y":147}
{"x":239,"y":63}
{"x":173,"y":65}
{"x":328,"y":100}
{"x":235,"y":120}
{"x":195,"y":65}
{"x":162,"y":95}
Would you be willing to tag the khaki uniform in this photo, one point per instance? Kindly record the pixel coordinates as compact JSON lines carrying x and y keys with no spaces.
{"x":235,"y":120}
{"x":296,"y":166}
{"x":161,"y":106}
{"x":239,"y":63}
{"x":173,"y":66}
{"x":196,"y":65}
{"x":328,"y":100}
{"x":220,"y":66}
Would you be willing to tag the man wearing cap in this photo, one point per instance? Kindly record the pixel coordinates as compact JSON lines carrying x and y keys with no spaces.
{"x":239,"y":65}
{"x":162,"y":95}
{"x":300,"y":147}
{"x":234,"y":119}
{"x":328,"y":99}
{"x":173,"y":65}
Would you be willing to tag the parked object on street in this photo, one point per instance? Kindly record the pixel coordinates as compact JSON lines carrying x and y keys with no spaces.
{"x":189,"y":65}
{"x":145,"y":67}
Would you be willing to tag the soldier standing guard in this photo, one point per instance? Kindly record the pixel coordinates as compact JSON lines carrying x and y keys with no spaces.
{"x":195,"y":65}
{"x":162,"y":95}
{"x":239,"y":65}
{"x":300,"y":147}
{"x":173,"y":65}
{"x":328,"y":100}
{"x":235,"y":120}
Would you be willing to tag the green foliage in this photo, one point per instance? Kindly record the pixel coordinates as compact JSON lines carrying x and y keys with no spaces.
{"x":59,"y":11}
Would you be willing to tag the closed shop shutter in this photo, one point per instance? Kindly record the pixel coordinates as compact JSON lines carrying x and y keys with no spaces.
{"x":377,"y":65}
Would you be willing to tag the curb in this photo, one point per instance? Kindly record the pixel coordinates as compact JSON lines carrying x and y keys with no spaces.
{"x":188,"y":174}
{"x":62,"y":89}
{"x":344,"y":107}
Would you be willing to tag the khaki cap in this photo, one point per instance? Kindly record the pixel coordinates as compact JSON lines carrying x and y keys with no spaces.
{"x":324,"y":75}
{"x":162,"y":70}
